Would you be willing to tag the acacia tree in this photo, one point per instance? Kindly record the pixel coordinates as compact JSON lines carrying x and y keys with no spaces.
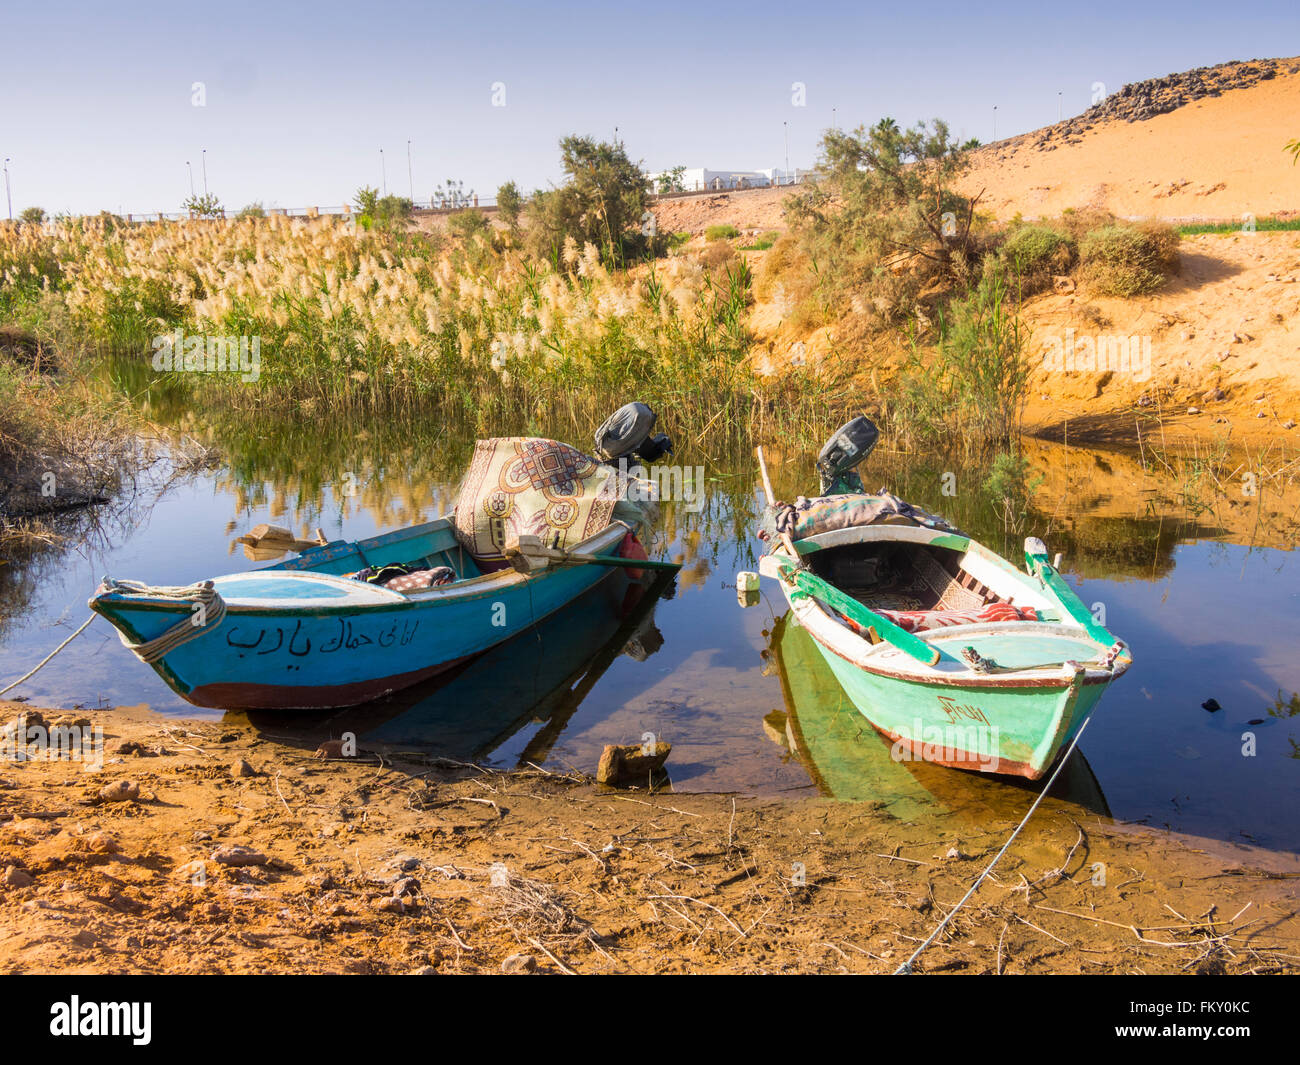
{"x":602,"y":202}
{"x":887,"y":209}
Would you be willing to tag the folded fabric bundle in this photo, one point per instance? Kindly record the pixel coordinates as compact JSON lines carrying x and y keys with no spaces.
{"x":404,"y":576}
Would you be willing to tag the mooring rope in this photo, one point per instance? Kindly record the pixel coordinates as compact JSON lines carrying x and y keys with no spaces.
{"x":43,"y":661}
{"x":203,"y":594}
{"x":906,"y":968}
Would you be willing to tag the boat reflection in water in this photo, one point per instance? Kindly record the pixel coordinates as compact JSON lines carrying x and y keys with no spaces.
{"x":849,"y":760}
{"x":540,"y":678}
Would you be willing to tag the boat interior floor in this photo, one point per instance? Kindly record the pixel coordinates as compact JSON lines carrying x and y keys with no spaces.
{"x":925,"y":583}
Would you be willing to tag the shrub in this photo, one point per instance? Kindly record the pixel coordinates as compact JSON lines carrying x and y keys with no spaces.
{"x":383,"y":211}
{"x":721,"y":233}
{"x":762,"y":243}
{"x":253,"y":210}
{"x":1129,"y":260}
{"x":1032,"y":254}
{"x":32,"y":216}
{"x":469,"y":223}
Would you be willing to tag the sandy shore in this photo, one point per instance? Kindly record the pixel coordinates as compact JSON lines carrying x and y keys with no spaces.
{"x":241,"y":853}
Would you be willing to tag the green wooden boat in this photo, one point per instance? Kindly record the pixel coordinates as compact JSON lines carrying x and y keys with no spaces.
{"x":955,"y":655}
{"x":849,"y":761}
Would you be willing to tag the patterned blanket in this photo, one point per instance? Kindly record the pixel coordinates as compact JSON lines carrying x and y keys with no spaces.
{"x":529,"y":486}
{"x":807,"y":517}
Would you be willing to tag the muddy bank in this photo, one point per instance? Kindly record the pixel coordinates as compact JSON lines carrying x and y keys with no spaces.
{"x":206,"y":847}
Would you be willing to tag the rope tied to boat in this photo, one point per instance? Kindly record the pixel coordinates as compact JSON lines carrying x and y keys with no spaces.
{"x":207,"y":610}
{"x":906,"y":968}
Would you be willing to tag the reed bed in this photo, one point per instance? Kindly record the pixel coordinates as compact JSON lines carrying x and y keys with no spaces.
{"x":353,"y":320}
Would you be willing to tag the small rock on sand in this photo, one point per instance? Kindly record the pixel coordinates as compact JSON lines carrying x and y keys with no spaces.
{"x":102,"y":843}
{"x":235,"y":854}
{"x":122,"y":791}
{"x":519,"y":963}
{"x":631,"y":763}
{"x":17,"y":878}
{"x":241,"y":768}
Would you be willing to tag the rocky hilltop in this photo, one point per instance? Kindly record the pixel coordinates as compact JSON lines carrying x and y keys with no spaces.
{"x":1142,"y":100}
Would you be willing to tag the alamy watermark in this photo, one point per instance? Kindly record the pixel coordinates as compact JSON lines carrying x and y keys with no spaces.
{"x":201,"y":353}
{"x":973,"y":745}
{"x":20,"y":742}
{"x":681,"y":484}
{"x":1086,"y":353}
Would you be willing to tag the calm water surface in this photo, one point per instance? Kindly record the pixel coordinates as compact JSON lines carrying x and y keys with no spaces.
{"x":745,"y":707}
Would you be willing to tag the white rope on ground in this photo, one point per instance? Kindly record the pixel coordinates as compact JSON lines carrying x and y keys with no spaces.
{"x":203,"y":594}
{"x":43,"y":661}
{"x":906,"y":968}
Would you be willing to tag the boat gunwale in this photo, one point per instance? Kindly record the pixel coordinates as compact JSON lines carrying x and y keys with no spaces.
{"x":474,"y":588}
{"x":823,"y":627}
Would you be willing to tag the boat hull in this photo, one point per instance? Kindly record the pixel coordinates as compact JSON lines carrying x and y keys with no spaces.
{"x":313,"y":657}
{"x":1016,"y":731}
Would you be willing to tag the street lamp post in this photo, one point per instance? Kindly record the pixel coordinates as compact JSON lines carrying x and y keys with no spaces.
{"x":410,"y":180}
{"x":995,"y":122}
{"x":205,"y":173}
{"x":383,"y":169}
{"x":1058,"y":105}
{"x":787,"y":151}
{"x":8,"y":197}
{"x":191,"y":170}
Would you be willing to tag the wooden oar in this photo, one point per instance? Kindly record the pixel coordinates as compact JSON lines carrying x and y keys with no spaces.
{"x":520,"y":554}
{"x":809,"y":583}
{"x":1036,"y":557}
{"x":793,"y":573}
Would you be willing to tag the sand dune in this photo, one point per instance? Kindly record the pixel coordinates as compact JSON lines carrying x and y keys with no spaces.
{"x":1217,"y":157}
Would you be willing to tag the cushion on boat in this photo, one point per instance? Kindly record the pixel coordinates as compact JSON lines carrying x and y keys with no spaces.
{"x":807,"y":517}
{"x":531,"y":486}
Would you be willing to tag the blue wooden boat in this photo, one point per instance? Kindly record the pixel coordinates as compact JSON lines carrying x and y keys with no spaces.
{"x":300,"y":635}
{"x":307,"y":634}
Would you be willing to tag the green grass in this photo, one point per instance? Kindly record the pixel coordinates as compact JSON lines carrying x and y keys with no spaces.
{"x":721,"y":233}
{"x":762,"y":243}
{"x":1263,"y":225}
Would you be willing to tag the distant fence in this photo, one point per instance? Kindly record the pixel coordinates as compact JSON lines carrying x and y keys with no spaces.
{"x":445,"y":206}
{"x":487,"y":203}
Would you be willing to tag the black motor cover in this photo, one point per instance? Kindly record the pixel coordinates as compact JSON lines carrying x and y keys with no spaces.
{"x":851,"y":444}
{"x":627,"y":432}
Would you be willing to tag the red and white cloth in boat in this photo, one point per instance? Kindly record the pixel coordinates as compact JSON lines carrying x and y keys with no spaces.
{"x":925,"y":620}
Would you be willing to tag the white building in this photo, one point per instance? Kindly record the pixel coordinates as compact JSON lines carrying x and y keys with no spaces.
{"x":699,"y":179}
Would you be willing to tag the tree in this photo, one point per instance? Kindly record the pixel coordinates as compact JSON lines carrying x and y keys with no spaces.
{"x":887,"y":217}
{"x":671,"y":180}
{"x":253,"y":210}
{"x":205,"y":206}
{"x":602,"y":202}
{"x":32,"y":216}
{"x":509,"y":204}
{"x":1293,"y":146}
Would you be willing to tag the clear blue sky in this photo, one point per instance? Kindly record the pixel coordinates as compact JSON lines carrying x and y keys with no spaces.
{"x":96,"y":105}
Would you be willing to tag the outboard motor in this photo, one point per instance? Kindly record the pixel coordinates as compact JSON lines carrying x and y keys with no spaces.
{"x":628,"y":432}
{"x":851,"y":443}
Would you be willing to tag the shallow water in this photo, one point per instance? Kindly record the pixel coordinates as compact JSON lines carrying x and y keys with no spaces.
{"x":1206,"y":618}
